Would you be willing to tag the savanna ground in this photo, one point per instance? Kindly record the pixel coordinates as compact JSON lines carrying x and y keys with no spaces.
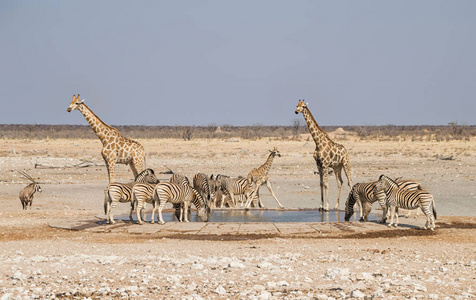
{"x":38,"y":261}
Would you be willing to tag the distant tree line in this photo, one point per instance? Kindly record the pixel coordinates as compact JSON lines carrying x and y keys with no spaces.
{"x":452,"y":131}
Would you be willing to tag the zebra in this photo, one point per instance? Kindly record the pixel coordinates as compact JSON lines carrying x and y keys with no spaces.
{"x":122,"y":192}
{"x":142,"y":193}
{"x":234,"y":186}
{"x":398,"y":197}
{"x":365,"y":195}
{"x":26,"y":195}
{"x":180,"y":179}
{"x":178,"y":194}
{"x":201,"y":183}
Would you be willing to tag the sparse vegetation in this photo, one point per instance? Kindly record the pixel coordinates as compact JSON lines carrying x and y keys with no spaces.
{"x":441,"y":133}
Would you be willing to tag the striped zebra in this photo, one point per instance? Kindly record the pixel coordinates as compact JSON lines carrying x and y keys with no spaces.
{"x":142,"y":194}
{"x":178,"y":194}
{"x":122,"y":192}
{"x":234,"y":186}
{"x":365,"y":195}
{"x":201,"y":183}
{"x":180,"y":179}
{"x":398,"y":197}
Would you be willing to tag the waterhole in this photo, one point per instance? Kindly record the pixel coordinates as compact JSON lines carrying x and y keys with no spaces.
{"x":259,"y":215}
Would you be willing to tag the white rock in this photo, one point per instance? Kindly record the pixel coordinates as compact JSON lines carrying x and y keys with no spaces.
{"x":220,"y":290}
{"x":357,"y":294}
{"x":282,"y":283}
{"x":265,"y":265}
{"x":236,"y":264}
{"x":332,"y":273}
{"x":197,"y":266}
{"x":7,"y":296}
{"x":264,"y":295}
{"x":321,"y":297}
{"x":271,"y":285}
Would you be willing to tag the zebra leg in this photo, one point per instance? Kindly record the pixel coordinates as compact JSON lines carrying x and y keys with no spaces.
{"x":185,"y":210}
{"x":268,"y":184}
{"x":110,"y":212}
{"x":392,"y":214}
{"x":338,"y":172}
{"x":139,"y":206}
{"x":154,"y":207}
{"x":161,"y":207}
{"x":250,"y":199}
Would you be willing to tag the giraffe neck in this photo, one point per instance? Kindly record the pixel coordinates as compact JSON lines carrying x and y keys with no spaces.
{"x":317,"y":133}
{"x":267,"y":165}
{"x":98,"y":126}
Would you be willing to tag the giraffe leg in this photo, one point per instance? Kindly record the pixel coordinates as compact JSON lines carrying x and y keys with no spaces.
{"x":268,"y":184}
{"x":111,"y":166}
{"x":133,"y":169}
{"x":326,"y":188}
{"x":321,"y":179}
{"x":338,"y":172}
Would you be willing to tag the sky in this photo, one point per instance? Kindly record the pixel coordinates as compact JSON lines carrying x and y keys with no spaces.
{"x":239,"y":63}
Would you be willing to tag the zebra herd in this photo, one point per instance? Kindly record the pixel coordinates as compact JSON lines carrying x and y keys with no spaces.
{"x":206,"y":193}
{"x":391,"y":195}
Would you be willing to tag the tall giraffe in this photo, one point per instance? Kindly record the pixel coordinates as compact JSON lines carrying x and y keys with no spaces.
{"x":115,"y":147}
{"x":328,"y":154}
{"x":260,"y":176}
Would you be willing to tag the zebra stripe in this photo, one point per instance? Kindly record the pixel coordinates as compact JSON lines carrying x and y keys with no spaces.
{"x":141,"y":194}
{"x":397,"y":197}
{"x":178,"y":194}
{"x":234,"y":186}
{"x":201,"y":183}
{"x":122,"y":193}
{"x":179,"y":179}
{"x":365,"y":194}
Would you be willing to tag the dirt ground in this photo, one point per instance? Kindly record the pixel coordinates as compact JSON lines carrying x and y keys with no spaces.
{"x":38,"y":261}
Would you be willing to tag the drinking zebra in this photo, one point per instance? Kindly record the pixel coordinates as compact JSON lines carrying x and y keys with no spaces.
{"x":201,"y":183}
{"x":178,"y":194}
{"x":365,"y":195}
{"x":122,"y":192}
{"x":398,"y":197}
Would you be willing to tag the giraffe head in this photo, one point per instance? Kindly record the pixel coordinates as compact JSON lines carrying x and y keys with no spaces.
{"x":75,"y":103}
{"x":275,"y":152}
{"x":300,"y":107}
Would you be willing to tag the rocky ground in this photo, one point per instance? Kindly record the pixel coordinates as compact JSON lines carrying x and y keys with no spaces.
{"x":38,"y":261}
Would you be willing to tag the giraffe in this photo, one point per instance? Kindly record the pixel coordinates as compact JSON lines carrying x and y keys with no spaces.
{"x":328,"y":154}
{"x":115,"y":147}
{"x":260,"y":176}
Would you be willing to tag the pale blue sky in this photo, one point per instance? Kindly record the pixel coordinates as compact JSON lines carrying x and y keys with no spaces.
{"x":239,"y":62}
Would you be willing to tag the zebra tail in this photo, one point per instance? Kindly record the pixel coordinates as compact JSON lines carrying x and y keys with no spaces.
{"x":434,"y":210}
{"x":106,"y":198}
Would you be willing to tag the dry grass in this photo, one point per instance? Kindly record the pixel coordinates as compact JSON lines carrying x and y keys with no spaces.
{"x":442,"y":133}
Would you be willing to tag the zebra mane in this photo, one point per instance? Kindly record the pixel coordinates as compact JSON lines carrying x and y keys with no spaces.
{"x":143,"y":173}
{"x":199,"y":199}
{"x":388,"y":179}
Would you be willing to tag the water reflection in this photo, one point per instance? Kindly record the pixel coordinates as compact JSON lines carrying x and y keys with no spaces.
{"x":249,"y":216}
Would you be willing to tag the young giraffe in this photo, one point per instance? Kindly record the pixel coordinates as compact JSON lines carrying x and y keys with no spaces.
{"x":328,"y":154}
{"x":260,"y":176}
{"x":115,"y":147}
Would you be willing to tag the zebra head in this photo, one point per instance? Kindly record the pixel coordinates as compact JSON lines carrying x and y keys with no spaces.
{"x":301,"y":106}
{"x":275,"y":152}
{"x":75,"y":103}
{"x":385,"y":183}
{"x":147,"y":176}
